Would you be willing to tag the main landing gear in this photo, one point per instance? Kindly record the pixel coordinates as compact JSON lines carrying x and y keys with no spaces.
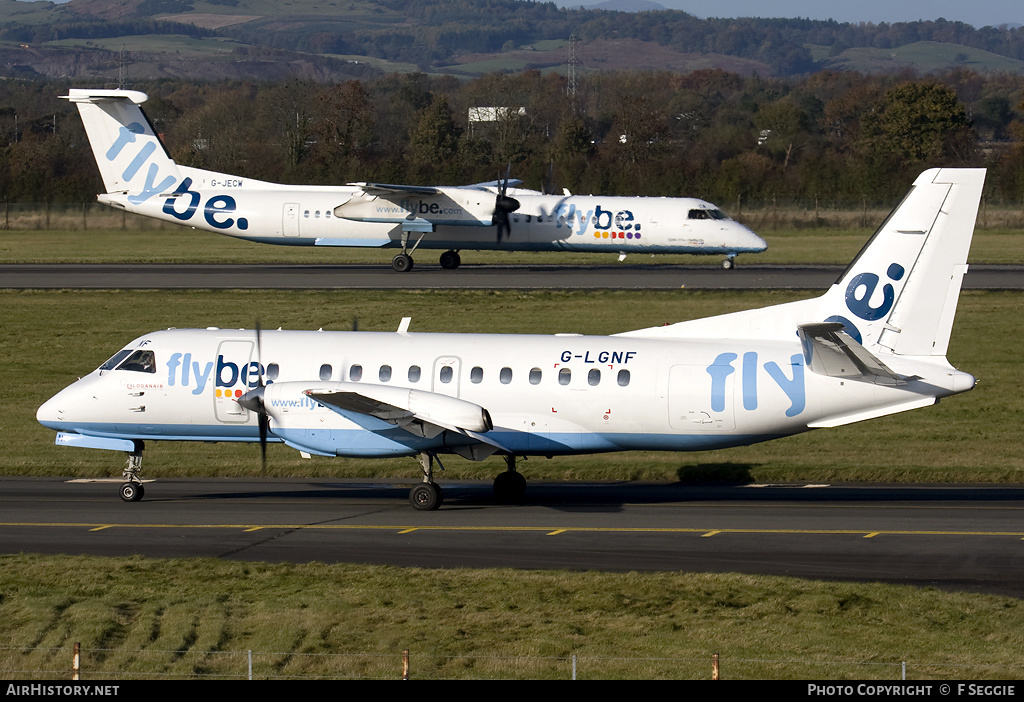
{"x":450,"y":260}
{"x":729,"y":263}
{"x":402,"y":262}
{"x":427,"y":496}
{"x":509,"y":487}
{"x":131,"y":488}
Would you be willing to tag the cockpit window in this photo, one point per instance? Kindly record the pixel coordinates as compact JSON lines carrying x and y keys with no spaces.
{"x":115,"y":359}
{"x":140,"y":361}
{"x":707,"y":214}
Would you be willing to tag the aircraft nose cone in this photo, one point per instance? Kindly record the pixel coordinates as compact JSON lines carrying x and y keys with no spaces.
{"x":50,"y":413}
{"x":757,"y":243}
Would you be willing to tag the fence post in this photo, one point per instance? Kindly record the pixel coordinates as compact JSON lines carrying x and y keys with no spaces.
{"x":714,"y":666}
{"x":250,"y":663}
{"x":76,"y":662}
{"x":405,"y":664}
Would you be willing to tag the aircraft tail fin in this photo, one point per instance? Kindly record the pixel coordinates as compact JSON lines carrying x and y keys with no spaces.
{"x":130,"y":156}
{"x":900,"y":293}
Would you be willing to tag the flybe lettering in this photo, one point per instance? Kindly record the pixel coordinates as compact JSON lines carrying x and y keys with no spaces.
{"x":218,"y":209}
{"x":866,"y":302}
{"x":599,"y":356}
{"x":750,"y":372}
{"x":606,"y":224}
{"x":184,"y":371}
{"x":214,"y":211}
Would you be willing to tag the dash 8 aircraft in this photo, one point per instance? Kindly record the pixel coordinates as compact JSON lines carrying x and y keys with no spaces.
{"x":873,"y":344}
{"x":139,"y":176}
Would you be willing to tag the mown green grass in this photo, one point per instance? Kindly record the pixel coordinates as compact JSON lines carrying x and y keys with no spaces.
{"x":51,"y":338}
{"x":176,"y":244}
{"x":185,"y":618}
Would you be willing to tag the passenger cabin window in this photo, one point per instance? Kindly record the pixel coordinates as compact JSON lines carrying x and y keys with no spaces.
{"x":273,"y":371}
{"x":594,"y":376}
{"x":535,"y":376}
{"x":476,"y":375}
{"x":414,"y":374}
{"x":325,"y":371}
{"x":355,"y":373}
{"x":141,"y":362}
{"x":564,"y":376}
{"x":384,"y":374}
{"x":623,"y":378}
{"x":446,"y":374}
{"x":505,"y":376}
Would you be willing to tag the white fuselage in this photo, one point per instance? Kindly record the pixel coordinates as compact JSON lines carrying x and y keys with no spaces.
{"x":546,"y":395}
{"x":305,"y":216}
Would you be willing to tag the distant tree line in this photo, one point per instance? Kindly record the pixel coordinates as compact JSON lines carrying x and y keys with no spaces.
{"x":429,"y":33}
{"x":725,"y":137}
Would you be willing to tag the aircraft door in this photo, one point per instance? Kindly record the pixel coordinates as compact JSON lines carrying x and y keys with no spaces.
{"x":701,"y":398}
{"x":290,"y":219}
{"x":447,"y":375}
{"x":231,"y":379}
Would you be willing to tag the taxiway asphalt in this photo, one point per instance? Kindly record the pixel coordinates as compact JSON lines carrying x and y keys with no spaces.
{"x":957,"y":538}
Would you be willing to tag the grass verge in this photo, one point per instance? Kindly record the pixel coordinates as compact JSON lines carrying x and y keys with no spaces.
{"x":140,"y":618}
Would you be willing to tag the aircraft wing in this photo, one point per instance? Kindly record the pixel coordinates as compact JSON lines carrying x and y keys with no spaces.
{"x":379,"y":189}
{"x":384,"y":189}
{"x":420,"y":412}
{"x":829,"y":350}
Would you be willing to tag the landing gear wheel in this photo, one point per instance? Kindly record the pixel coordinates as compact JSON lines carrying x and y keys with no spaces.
{"x":450,"y":260}
{"x":426,"y":497}
{"x":402,"y":263}
{"x":132,"y":492}
{"x":509,"y":488}
{"x":728,"y":264}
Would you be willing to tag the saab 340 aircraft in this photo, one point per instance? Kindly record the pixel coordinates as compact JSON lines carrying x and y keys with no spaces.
{"x":873,"y":344}
{"x":140,"y":177}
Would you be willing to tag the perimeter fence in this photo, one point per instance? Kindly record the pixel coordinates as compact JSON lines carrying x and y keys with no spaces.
{"x":75,"y":663}
{"x":765,"y":214}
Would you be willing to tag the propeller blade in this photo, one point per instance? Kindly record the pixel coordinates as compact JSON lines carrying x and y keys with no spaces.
{"x":256,"y":403}
{"x":503,"y":206}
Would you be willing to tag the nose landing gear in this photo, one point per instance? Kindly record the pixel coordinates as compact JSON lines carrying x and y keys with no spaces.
{"x":131,"y":488}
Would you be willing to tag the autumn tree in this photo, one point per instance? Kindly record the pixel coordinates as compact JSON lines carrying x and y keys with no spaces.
{"x":434,"y":143}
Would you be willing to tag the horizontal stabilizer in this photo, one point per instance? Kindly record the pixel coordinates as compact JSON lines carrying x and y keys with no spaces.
{"x":420,"y":412}
{"x":93,"y":96}
{"x":829,"y":350}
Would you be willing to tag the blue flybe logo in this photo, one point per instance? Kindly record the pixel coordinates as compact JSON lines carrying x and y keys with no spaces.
{"x":183,"y":371}
{"x":218,"y":210}
{"x":752,"y":374}
{"x":859,"y":294}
